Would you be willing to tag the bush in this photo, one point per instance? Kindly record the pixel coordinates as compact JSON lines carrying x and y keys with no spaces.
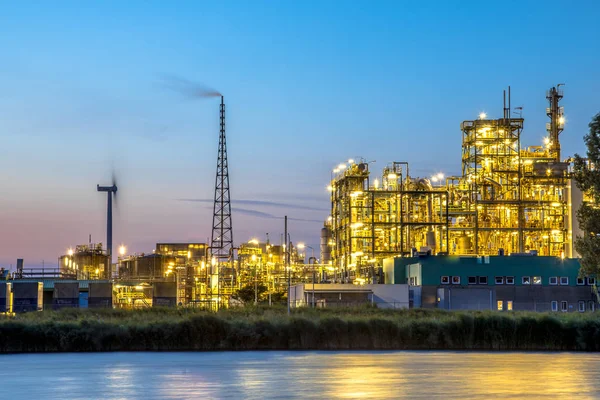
{"x":270,"y":328}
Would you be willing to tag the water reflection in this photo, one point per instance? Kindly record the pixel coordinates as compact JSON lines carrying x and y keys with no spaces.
{"x":331,"y":375}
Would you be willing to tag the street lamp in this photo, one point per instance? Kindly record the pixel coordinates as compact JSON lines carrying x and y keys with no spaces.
{"x":302,"y":246}
{"x":122,"y":251}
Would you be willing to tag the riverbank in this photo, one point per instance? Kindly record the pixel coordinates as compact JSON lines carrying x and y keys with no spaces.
{"x":271,"y":329}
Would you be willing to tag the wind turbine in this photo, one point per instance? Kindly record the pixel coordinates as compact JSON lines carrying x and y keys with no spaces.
{"x":110,"y":191}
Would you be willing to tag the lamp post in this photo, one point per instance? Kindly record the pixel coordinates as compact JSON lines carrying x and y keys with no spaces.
{"x":122,"y":251}
{"x":313,"y":259}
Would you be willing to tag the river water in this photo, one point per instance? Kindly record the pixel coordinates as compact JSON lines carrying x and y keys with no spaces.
{"x":278,"y":375}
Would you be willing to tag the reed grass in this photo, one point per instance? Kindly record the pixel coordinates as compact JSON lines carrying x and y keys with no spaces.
{"x":270,"y":328}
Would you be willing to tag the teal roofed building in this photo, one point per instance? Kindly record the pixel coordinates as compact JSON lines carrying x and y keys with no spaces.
{"x":503,"y":283}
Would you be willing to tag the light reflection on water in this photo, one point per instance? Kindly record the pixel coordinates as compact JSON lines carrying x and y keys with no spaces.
{"x":327,"y":375}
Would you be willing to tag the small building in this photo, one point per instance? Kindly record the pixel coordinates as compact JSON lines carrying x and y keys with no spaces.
{"x":346,"y":295}
{"x":516,"y":282}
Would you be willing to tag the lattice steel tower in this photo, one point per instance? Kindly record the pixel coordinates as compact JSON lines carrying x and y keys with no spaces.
{"x":222,"y":231}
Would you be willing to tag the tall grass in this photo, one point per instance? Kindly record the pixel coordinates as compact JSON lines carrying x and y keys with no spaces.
{"x":263,"y":328}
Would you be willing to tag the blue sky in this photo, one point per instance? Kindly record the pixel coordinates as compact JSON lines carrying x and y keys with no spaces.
{"x":307,"y":85}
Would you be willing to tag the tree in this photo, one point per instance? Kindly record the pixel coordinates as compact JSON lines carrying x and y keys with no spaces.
{"x":246,"y":293}
{"x":586,"y":172}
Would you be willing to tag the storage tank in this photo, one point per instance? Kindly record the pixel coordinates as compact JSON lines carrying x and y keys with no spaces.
{"x":464,"y":244}
{"x":5,"y":297}
{"x":325,"y":247}
{"x":66,"y":295}
{"x":28,"y":296}
{"x":164,"y":294}
{"x":100,"y":295}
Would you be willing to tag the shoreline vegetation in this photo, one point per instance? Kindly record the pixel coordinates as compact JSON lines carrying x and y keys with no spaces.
{"x":269,"y":328}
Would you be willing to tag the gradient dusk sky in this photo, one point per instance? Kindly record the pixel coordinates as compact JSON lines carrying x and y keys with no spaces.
{"x":307,"y":84}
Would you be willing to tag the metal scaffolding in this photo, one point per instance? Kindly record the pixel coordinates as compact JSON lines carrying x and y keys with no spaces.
{"x":507,"y":200}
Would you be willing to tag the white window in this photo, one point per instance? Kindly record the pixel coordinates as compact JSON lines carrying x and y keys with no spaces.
{"x":526,"y":280}
{"x":591,"y":305}
{"x":500,"y":305}
{"x":445,"y":280}
{"x":591,"y":281}
{"x":456,"y":280}
{"x":537,"y":280}
{"x":499,"y":280}
{"x":472,"y":280}
{"x":483,"y":280}
{"x":564,"y":306}
{"x":564,"y":280}
{"x":554,"y":305}
{"x":581,"y":306}
{"x":510,"y":280}
{"x":509,"y":305}
{"x":553,"y":280}
{"x":580,"y":281}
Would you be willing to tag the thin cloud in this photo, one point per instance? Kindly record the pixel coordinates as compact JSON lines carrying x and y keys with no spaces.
{"x":261,"y":214}
{"x":261,"y":203}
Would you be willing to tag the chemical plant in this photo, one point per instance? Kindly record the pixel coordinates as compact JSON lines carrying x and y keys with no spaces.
{"x":398,"y":240}
{"x":509,"y":199}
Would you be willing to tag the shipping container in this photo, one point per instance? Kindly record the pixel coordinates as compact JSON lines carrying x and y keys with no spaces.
{"x":66,"y":295}
{"x":28,"y":296}
{"x":164,"y":294}
{"x":100,"y":295}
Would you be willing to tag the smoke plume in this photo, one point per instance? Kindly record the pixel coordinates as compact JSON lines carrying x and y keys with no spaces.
{"x":187,"y":88}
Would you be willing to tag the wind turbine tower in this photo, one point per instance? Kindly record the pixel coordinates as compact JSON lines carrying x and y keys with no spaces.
{"x":110,"y":191}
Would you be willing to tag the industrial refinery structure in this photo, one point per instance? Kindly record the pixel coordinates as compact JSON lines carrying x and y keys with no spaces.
{"x":509,"y":199}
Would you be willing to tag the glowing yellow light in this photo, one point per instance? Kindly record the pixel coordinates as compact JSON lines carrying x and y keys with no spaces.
{"x":376,"y":183}
{"x":561,"y":120}
{"x":330,"y":188}
{"x":301,"y":246}
{"x":336,"y":170}
{"x":97,"y":271}
{"x":350,"y":161}
{"x":356,"y":194}
{"x":440,"y":176}
{"x":70,"y":252}
{"x":434,"y":179}
{"x":213,"y":261}
{"x":546,"y":141}
{"x":356,"y":225}
{"x":253,"y":241}
{"x":203,"y":265}
{"x":342,"y":167}
{"x":122,"y":250}
{"x":482,"y":115}
{"x":253,"y":257}
{"x":392,"y":176}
